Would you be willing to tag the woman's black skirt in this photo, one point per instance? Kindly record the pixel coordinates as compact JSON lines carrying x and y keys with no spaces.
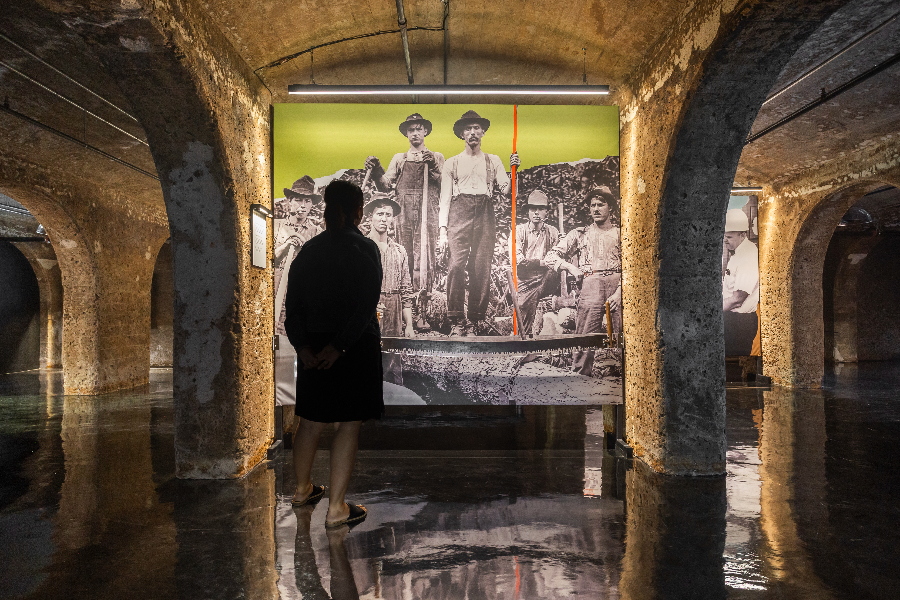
{"x":351,"y":390}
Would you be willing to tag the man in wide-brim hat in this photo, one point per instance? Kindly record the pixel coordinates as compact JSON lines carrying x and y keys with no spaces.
{"x":534,"y":240}
{"x":290,"y":234}
{"x":467,"y":223}
{"x":378,"y":200}
{"x":396,"y":287}
{"x":593,"y":254}
{"x":415,"y":178}
{"x":294,"y":231}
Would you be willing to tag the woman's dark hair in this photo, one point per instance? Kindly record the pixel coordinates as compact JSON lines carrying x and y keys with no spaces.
{"x":343,"y":200}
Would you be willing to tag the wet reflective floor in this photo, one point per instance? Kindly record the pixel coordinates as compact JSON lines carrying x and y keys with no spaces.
{"x":465,"y":504}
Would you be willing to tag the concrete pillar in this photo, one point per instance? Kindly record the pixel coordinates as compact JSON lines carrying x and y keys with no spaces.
{"x":206,"y":117}
{"x":109,"y":500}
{"x":675,"y":536}
{"x":797,"y":221}
{"x":244,"y":523}
{"x":46,"y":269}
{"x":682,"y":133}
{"x":794,"y":490}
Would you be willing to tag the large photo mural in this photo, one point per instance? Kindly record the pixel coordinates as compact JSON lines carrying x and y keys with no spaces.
{"x":499,"y":232}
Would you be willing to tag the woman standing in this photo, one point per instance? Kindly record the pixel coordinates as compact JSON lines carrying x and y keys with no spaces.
{"x":334,"y":286}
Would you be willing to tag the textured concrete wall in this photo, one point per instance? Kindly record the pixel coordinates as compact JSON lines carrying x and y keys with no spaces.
{"x":797,"y":219}
{"x":692,"y":106}
{"x":207,"y":121}
{"x":878,"y":285}
{"x":46,"y":269}
{"x":162,"y":300}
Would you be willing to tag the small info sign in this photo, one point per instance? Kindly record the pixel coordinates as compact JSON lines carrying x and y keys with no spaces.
{"x":259,"y":240}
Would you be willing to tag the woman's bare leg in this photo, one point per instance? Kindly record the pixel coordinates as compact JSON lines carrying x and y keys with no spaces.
{"x":343,"y":457}
{"x":306,"y":441}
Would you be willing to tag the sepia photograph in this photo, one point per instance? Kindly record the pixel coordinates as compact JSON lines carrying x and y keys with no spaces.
{"x":499,"y":233}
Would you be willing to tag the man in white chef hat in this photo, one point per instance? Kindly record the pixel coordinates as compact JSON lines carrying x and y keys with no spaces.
{"x":740,"y":285}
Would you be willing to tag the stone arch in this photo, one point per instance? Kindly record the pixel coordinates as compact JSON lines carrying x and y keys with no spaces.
{"x":79,"y":278}
{"x":19,"y":312}
{"x":793,"y":329}
{"x":685,"y":128}
{"x":46,"y":269}
{"x":206,"y":118}
{"x":878,"y":329}
{"x":162,"y":300}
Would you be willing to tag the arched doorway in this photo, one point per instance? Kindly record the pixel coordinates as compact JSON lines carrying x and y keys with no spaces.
{"x":861,"y":281}
{"x":162,"y":297}
{"x":20,"y":329}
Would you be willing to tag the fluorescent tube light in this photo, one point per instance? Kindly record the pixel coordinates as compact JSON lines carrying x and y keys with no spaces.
{"x":745,"y":190}
{"x":441,"y":90}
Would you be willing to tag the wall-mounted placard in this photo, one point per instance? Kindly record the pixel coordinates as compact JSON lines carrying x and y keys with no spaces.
{"x":259,"y":235}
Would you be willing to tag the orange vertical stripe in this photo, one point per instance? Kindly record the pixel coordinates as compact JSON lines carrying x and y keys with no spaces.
{"x":515,"y":278}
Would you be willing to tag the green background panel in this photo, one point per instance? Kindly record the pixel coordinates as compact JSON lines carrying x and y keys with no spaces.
{"x":320,"y":139}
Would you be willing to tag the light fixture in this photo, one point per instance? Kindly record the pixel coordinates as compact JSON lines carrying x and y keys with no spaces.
{"x":737,"y":191}
{"x":40,"y":230}
{"x":441,"y":90}
{"x":261,"y":210}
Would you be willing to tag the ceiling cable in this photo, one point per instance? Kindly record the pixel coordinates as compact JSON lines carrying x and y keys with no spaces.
{"x":290,"y":57}
{"x":855,"y":42}
{"x":401,"y":21}
{"x":88,"y":90}
{"x":825,"y":97}
{"x":70,"y":101}
{"x":85,"y":145}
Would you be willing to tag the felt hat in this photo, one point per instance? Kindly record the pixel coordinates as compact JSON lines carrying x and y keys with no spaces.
{"x":603,"y":192}
{"x":470,"y":117}
{"x":415,"y":119}
{"x":538,"y":199}
{"x":381,"y":199}
{"x":736,"y":220}
{"x":303,"y":187}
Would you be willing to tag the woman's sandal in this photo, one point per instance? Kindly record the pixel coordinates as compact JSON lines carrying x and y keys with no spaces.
{"x":314,"y":496}
{"x":358,"y":512}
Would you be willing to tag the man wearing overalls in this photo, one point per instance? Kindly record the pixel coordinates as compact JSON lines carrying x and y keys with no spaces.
{"x":415,"y":176}
{"x":467,"y":222}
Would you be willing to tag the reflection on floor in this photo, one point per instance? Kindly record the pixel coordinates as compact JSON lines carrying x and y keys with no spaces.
{"x":498,"y":502}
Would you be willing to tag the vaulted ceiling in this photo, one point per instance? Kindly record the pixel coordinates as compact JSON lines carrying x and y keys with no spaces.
{"x":527,"y":42}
